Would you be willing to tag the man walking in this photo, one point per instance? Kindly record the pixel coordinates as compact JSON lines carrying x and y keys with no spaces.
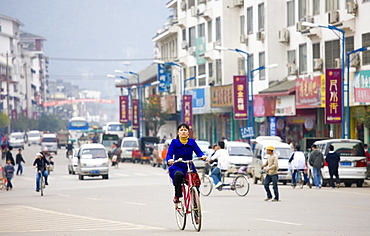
{"x":316,"y":160}
{"x":271,"y":174}
{"x":9,"y":155}
{"x":298,"y":162}
{"x":333,"y":158}
{"x":18,"y":160}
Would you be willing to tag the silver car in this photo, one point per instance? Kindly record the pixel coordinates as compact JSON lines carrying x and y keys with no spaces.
{"x":49,"y":142}
{"x":16,"y":140}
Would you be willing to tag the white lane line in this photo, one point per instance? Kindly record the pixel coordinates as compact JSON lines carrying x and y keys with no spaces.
{"x":90,"y":198}
{"x":64,"y":195}
{"x":123,"y":175}
{"x":280,"y":222}
{"x":135,"y":203}
{"x":140,"y":174}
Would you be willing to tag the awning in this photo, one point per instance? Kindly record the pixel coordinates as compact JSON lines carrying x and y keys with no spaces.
{"x":281,"y":88}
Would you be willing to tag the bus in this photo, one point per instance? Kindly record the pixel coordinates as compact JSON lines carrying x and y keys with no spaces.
{"x":77,"y":126}
{"x":114,"y":128}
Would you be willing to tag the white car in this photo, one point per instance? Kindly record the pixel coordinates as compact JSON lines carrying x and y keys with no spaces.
{"x":16,"y":140}
{"x":34,"y":137}
{"x":128,"y":145}
{"x":93,"y":161}
{"x":73,"y":162}
{"x":203,"y":145}
{"x":240,"y":154}
{"x":50,"y":142}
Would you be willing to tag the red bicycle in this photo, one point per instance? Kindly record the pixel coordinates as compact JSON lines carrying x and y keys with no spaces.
{"x":190,"y":203}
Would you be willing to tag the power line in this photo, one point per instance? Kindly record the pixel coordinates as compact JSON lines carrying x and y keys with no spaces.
{"x":98,"y":60}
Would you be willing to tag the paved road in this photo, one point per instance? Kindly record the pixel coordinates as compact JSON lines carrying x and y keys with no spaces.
{"x":136,"y":200}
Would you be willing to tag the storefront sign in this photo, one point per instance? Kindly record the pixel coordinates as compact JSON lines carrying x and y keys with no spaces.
{"x":198,"y":97}
{"x":200,"y":49}
{"x":333,"y":98}
{"x":123,"y":109}
{"x":361,"y":87}
{"x":308,"y":92}
{"x":285,"y":106}
{"x":272,"y":126}
{"x":264,"y":106}
{"x":240,"y":98}
{"x":135,"y":113}
{"x":323,"y":92}
{"x":222,"y":96}
{"x":247,"y":132}
{"x":280,"y":124}
{"x":187,"y":110}
{"x":164,"y":77}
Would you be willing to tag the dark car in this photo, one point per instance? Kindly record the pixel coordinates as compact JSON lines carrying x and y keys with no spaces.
{"x":145,"y":150}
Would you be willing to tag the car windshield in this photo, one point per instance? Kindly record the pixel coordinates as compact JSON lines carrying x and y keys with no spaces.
{"x":17,"y":136}
{"x":49,"y":140}
{"x":129,"y":143}
{"x":93,"y":153}
{"x":115,"y":128}
{"x":108,"y":143}
{"x":349,"y":149}
{"x":239,"y":151}
{"x":33,"y":135}
{"x":282,"y":153}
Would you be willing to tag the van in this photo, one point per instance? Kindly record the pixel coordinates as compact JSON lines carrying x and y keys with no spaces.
{"x":282,"y":150}
{"x":93,"y":161}
{"x":240,"y":154}
{"x":50,"y":142}
{"x":34,"y":137}
{"x":352,"y":165}
{"x":128,"y":145}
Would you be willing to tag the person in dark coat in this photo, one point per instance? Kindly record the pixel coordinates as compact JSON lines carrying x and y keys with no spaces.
{"x":9,"y":155}
{"x":8,"y":173}
{"x":19,"y":159}
{"x":333,"y":159}
{"x":316,"y":160}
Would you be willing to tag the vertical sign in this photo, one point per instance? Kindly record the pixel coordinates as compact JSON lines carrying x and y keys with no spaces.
{"x":240,"y":98}
{"x":333,"y":96}
{"x":272,"y":126}
{"x":135,"y":114}
{"x":187,"y":110}
{"x":164,"y":77}
{"x":123,"y":109}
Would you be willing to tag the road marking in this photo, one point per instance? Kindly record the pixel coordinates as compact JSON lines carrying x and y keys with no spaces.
{"x":64,"y":195}
{"x":90,"y":198}
{"x":135,"y":203}
{"x":141,"y":174}
{"x":280,"y":222}
{"x":123,"y":175}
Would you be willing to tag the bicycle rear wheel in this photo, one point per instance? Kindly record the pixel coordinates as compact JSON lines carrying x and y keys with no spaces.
{"x":180,"y":214}
{"x":196,"y":212}
{"x":206,"y":186}
{"x":42,"y":185}
{"x":301,"y":179}
{"x":241,"y":185}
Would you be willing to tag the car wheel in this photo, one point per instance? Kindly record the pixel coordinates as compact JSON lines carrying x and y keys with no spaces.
{"x":284,"y":182}
{"x":359,"y":183}
{"x":80,"y":177}
{"x":347,"y":184}
{"x":105,"y":177}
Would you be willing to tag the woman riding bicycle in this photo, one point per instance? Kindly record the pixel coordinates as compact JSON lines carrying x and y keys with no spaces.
{"x":181,"y":147}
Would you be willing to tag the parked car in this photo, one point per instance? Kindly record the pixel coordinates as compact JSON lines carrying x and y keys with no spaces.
{"x":352,"y":166}
{"x":50,"y":142}
{"x":203,"y":145}
{"x":93,"y":161}
{"x":240,"y":154}
{"x":128,"y":145}
{"x":16,"y":140}
{"x":73,"y":162}
{"x":34,"y":137}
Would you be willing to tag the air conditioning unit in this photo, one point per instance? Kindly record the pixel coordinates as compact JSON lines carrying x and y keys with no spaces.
{"x":317,"y":64}
{"x":308,"y":19}
{"x":238,"y":3}
{"x":284,"y":36}
{"x":333,"y":17}
{"x":194,"y":11}
{"x":352,"y":8}
{"x":183,"y":5}
{"x":338,"y":63}
{"x":300,"y":27}
{"x":355,"y":61}
{"x":260,"y":36}
{"x":217,"y":43}
{"x":293,"y":69}
{"x":184,"y":44}
{"x":243,"y":38}
{"x":191,"y":51}
{"x":202,"y":1}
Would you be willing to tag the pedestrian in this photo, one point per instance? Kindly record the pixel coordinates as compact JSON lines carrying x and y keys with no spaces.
{"x":9,"y":155}
{"x":333,"y":159}
{"x":271,"y":174}
{"x":18,"y":160}
{"x":368,"y":161}
{"x":222,"y":157}
{"x":163,"y":156}
{"x":114,"y":154}
{"x":8,"y":173}
{"x":298,"y":163}
{"x":316,"y":160}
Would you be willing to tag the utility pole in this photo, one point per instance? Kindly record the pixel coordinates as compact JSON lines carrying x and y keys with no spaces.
{"x":7,"y":90}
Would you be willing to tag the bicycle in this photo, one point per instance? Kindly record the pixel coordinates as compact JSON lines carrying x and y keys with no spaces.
{"x":239,"y":184}
{"x":299,"y":179}
{"x":190,"y":203}
{"x":42,"y":184}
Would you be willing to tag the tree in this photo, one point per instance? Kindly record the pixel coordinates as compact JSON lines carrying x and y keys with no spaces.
{"x":23,"y":123}
{"x":153,"y":114}
{"x":4,"y":120}
{"x":51,"y":123}
{"x":367,"y":118}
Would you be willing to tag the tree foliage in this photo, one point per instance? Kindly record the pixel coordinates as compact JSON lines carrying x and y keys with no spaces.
{"x":367,"y":118}
{"x":49,"y":123}
{"x":153,"y":114}
{"x":4,"y":120}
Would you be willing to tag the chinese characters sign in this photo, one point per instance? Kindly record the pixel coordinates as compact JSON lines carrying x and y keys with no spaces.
{"x":272,"y":126}
{"x":123,"y":109}
{"x":164,"y":77}
{"x":333,"y":96}
{"x":247,"y":132}
{"x":361,"y":87}
{"x":135,"y":113}
{"x":187,"y":110}
{"x":240,"y":98}
{"x":308,"y":92}
{"x":222,"y":96}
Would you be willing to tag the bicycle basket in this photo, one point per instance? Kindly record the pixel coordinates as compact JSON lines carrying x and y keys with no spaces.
{"x":195,"y":178}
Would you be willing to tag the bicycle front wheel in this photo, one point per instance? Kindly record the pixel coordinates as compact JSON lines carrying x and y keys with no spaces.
{"x":180,"y":214}
{"x":196,"y":212}
{"x":301,"y":180}
{"x":42,"y":185}
{"x":241,"y":185}
{"x":206,"y":186}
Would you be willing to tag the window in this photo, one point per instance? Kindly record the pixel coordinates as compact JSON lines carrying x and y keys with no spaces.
{"x":218,"y":29}
{"x":209,"y":30}
{"x":201,"y":30}
{"x":332,"y":51}
{"x":242,"y":25}
{"x":261,"y":62}
{"x":184,"y":35}
{"x":250,"y":20}
{"x":350,"y":44}
{"x":365,"y":1}
{"x":315,"y":51}
{"x":202,"y":73}
{"x":191,"y":3}
{"x":302,"y":9}
{"x":261,"y":17}
{"x":241,"y":66}
{"x":366,"y":54}
{"x":291,"y":61}
{"x":210,"y":69}
{"x":290,"y":15}
{"x":332,"y":5}
{"x":316,"y":7}
{"x":218,"y":71}
{"x":251,"y":62}
{"x":192,"y":74}
{"x":302,"y":58}
{"x":191,"y":36}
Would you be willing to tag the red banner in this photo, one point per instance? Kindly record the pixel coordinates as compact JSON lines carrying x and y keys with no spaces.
{"x":240,"y":98}
{"x":308,"y":92}
{"x":63,"y":102}
{"x":187,"y":110}
{"x":333,"y":96}
{"x":135,"y":113}
{"x":123,"y":109}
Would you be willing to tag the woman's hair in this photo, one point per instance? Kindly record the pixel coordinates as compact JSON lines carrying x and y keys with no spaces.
{"x":180,"y":126}
{"x":221,"y":144}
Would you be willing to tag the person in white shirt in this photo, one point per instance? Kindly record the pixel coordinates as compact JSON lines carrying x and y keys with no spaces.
{"x":298,"y":163}
{"x":222,"y":157}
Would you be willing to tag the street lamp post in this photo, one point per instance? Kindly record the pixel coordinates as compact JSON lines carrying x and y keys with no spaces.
{"x":348,"y":88}
{"x":140,"y":102}
{"x":309,"y":24}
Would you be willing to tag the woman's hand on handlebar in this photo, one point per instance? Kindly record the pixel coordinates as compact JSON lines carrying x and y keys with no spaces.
{"x":170,"y":162}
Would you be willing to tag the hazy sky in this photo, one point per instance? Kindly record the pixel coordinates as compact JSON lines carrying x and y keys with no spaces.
{"x":95,"y":29}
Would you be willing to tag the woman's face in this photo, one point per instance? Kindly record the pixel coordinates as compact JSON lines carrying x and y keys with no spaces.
{"x":183,"y":132}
